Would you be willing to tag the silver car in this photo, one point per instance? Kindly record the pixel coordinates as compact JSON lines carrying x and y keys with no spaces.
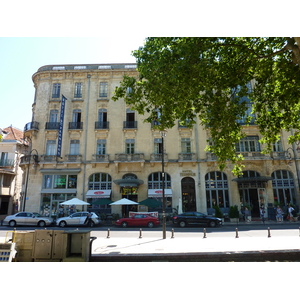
{"x":78,"y":219}
{"x":27,"y":218}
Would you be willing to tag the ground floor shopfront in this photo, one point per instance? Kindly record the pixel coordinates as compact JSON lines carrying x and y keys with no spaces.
{"x":184,"y":189}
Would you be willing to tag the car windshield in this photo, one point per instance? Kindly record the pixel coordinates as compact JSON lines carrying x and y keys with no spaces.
{"x":36,"y":214}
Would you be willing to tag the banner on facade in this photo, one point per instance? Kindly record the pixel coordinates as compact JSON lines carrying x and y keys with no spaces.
{"x":61,"y":125}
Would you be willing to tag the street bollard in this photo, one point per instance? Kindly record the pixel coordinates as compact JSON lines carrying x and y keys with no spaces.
{"x":236,"y":233}
{"x":108,"y":233}
{"x":204,"y":233}
{"x":172,"y":236}
{"x":140,"y":233}
{"x":269,"y":232}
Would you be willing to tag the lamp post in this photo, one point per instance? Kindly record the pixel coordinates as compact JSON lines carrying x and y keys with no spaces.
{"x":35,"y":158}
{"x":163,"y":134}
{"x":289,"y":157}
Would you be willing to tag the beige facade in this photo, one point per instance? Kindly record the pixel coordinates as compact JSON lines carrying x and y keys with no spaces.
{"x":12,"y":148}
{"x":104,"y":137}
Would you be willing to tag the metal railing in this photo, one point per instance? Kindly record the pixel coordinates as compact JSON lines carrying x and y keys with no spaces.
{"x":7,"y":162}
{"x":101,"y":125}
{"x":75,"y":125}
{"x":130,"y":124}
{"x":31,"y":126}
{"x":52,"y":125}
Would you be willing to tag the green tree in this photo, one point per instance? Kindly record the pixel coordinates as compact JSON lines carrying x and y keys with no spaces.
{"x":206,"y":78}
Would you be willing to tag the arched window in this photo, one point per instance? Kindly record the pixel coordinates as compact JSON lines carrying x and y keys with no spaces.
{"x":155,"y":181}
{"x":283,"y":187}
{"x":100,"y":181}
{"x":216,"y":185}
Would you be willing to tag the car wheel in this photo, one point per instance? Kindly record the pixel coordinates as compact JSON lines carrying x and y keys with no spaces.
{"x":12,"y":223}
{"x":212,"y":224}
{"x":42,"y":224}
{"x":92,"y":224}
{"x":62,"y":224}
{"x":124,"y":224}
{"x":150,"y":224}
{"x":182,"y":224}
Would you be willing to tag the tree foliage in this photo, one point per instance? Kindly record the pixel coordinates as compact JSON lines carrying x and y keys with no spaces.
{"x":206,"y":78}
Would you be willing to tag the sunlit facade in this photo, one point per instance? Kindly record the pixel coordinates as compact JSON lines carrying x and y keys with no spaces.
{"x":108,"y":152}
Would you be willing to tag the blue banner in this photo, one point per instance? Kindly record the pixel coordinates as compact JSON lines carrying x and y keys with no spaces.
{"x":61,"y":125}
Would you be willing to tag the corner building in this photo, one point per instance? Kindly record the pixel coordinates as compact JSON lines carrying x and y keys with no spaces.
{"x":108,"y":152}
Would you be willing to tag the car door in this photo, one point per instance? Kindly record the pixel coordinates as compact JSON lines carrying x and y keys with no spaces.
{"x":21,"y":218}
{"x":83,"y":218}
{"x":74,"y":219}
{"x":190,"y":218}
{"x":143,"y":220}
{"x":30,"y":219}
{"x":200,"y":218}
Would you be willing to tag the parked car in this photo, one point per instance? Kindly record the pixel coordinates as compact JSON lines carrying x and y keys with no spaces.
{"x":78,"y":219}
{"x":27,"y":218}
{"x":138,"y":220}
{"x":196,"y":218}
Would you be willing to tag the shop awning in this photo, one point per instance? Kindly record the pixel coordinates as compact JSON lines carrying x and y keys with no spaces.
{"x":98,"y":194}
{"x":158,"y":193}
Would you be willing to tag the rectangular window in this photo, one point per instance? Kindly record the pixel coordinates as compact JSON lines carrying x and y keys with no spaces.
{"x":51,"y":147}
{"x":248,"y":144}
{"x":157,"y":146}
{"x":101,"y":146}
{"x":78,"y":90}
{"x":53,"y":116}
{"x":103,"y":89}
{"x":277,"y":147}
{"x":186,"y":145}
{"x":74,"y":147}
{"x":129,"y":146}
{"x":56,"y":90}
{"x":59,"y":181}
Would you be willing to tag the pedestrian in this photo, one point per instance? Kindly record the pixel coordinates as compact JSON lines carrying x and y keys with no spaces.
{"x":291,"y":214}
{"x":262,"y":214}
{"x":88,"y":220}
{"x":247,"y":214}
{"x":279,"y":214}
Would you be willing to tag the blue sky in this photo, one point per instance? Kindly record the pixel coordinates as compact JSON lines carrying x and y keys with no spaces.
{"x":20,"y":58}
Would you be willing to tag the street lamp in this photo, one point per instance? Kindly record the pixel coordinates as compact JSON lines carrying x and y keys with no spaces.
{"x":35,"y":158}
{"x":163,"y":134}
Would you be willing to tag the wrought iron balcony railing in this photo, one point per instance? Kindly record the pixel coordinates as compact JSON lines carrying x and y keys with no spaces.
{"x":101,"y":125}
{"x":130,"y":125}
{"x":31,"y":126}
{"x":52,"y":125}
{"x":7,"y":162}
{"x":75,"y":125}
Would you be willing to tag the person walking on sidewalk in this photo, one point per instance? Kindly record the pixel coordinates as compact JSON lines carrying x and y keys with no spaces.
{"x":262,"y":214}
{"x":291,"y":213}
{"x":279,"y":214}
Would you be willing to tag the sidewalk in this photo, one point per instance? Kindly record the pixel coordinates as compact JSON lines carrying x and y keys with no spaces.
{"x":239,"y":245}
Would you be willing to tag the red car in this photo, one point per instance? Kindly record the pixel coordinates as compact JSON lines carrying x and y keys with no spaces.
{"x":138,"y":220}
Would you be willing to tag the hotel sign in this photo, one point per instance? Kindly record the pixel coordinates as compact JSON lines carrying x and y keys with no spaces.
{"x":185,"y":173}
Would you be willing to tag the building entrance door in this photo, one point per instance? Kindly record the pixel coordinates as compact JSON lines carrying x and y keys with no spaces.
{"x":188,"y":194}
{"x":250,"y":197}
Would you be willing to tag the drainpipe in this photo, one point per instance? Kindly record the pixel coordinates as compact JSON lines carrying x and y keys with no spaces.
{"x":86,"y":136}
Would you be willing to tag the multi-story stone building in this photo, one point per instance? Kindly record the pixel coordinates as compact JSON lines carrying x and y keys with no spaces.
{"x":106,"y":151}
{"x":12,"y":148}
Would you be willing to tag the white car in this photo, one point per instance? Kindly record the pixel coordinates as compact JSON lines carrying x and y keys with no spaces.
{"x":27,"y":218}
{"x":78,"y":219}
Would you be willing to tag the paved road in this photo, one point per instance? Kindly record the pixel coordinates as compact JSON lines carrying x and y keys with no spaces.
{"x":242,"y":230}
